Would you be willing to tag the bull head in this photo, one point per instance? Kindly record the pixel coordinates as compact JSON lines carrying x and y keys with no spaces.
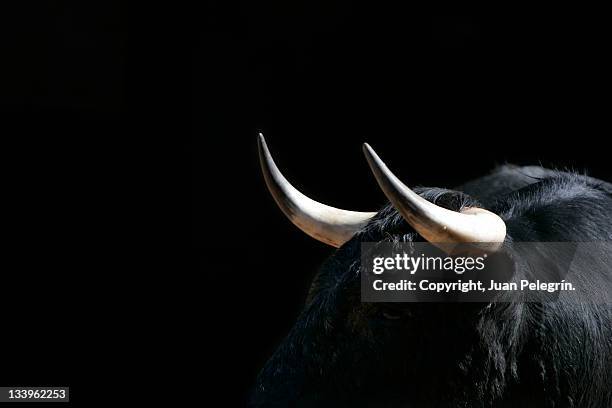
{"x":345,"y":352}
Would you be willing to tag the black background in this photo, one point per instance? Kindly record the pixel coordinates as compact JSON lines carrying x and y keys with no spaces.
{"x":443,"y":95}
{"x":62,"y":104}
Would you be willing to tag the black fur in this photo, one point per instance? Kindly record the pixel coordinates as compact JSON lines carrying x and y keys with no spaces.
{"x":342,"y":352}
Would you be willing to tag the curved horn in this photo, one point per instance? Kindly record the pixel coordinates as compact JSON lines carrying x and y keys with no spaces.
{"x":436,"y":224}
{"x":330,"y":225}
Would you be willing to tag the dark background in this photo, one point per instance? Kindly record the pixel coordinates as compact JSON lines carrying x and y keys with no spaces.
{"x":443,"y":95}
{"x":63,"y":81}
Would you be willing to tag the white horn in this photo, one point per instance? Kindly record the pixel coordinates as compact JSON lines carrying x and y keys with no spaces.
{"x":437,"y":225}
{"x":330,"y":225}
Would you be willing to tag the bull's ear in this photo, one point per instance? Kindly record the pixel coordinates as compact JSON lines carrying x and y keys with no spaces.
{"x":443,"y":228}
{"x":330,"y":225}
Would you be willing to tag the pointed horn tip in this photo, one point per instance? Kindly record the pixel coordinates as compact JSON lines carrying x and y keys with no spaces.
{"x":370,"y":154}
{"x":262,"y":146}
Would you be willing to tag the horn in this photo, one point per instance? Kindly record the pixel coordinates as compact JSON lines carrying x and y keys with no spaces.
{"x":330,"y":225}
{"x":443,"y":228}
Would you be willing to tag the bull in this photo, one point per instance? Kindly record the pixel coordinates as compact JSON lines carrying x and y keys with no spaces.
{"x":344,"y":352}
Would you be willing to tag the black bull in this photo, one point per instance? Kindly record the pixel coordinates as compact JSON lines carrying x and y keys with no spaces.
{"x":342,"y":352}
